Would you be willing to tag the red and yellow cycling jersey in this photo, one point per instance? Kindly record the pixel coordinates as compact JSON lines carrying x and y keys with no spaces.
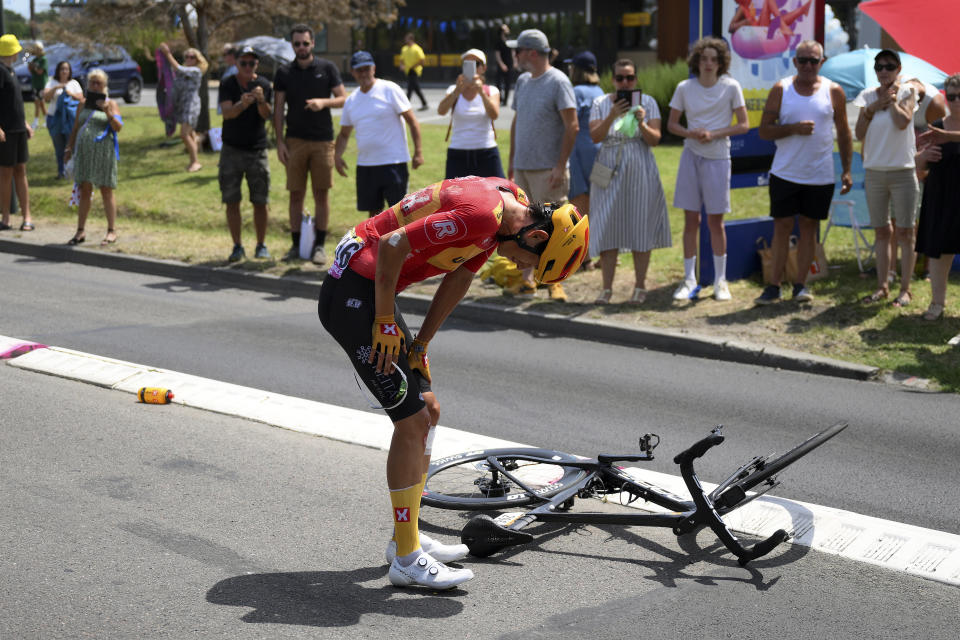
{"x":449,"y":224}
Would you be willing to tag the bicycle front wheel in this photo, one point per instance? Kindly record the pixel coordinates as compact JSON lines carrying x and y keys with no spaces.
{"x":469,"y":481}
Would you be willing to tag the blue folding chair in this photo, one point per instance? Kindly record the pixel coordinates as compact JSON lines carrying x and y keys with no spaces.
{"x":850,"y":210}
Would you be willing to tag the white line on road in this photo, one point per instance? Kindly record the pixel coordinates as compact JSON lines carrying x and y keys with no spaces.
{"x":915,"y":550}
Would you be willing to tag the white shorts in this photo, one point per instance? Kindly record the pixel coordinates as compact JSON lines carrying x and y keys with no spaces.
{"x":702,"y":183}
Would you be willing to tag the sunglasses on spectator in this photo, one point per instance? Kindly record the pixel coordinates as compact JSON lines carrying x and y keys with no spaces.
{"x":953,"y":97}
{"x":885,"y":67}
{"x":806,"y":60}
{"x":189,"y":56}
{"x":247,"y":63}
{"x":620,"y":78}
{"x":302,"y":44}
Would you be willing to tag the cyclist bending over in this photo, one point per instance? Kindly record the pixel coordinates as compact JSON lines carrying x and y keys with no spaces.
{"x":449,"y":227}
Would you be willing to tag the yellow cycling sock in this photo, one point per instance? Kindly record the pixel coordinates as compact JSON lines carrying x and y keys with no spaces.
{"x":423,"y":482}
{"x":406,"y":511}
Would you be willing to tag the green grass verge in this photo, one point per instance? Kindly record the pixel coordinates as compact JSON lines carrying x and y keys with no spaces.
{"x":167,"y":213}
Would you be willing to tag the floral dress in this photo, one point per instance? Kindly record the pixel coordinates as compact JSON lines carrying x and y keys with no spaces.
{"x":186,"y":96}
{"x":95,"y":161}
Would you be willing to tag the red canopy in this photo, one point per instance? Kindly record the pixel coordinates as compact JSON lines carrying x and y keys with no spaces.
{"x":924,"y":28}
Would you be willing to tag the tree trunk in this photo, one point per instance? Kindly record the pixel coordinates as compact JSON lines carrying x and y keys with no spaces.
{"x":33,"y":22}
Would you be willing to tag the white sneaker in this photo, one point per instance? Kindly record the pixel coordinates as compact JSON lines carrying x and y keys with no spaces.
{"x":440,"y":551}
{"x":426,"y":571}
{"x":721,"y":291}
{"x":686,"y":291}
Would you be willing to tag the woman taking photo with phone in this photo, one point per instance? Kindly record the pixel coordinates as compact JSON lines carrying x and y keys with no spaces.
{"x":710,"y":100}
{"x":474,"y":106}
{"x":94,"y":147}
{"x":628,"y":208}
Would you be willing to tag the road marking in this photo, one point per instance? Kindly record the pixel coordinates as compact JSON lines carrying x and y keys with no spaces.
{"x":902,"y":547}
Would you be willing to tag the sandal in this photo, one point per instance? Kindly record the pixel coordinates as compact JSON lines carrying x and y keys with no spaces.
{"x":639,"y":296}
{"x":27,"y":226}
{"x":604,"y":297}
{"x":5,"y":227}
{"x":107,"y":239}
{"x":874,"y":297}
{"x":78,"y":238}
{"x":933,"y":312}
{"x":903,"y":299}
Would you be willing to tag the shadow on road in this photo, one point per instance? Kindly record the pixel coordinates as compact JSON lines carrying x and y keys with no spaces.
{"x":327,"y":598}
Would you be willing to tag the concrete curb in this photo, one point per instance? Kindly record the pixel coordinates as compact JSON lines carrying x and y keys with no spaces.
{"x":657,"y":339}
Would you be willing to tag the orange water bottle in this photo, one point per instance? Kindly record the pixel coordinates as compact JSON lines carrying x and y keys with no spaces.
{"x":155,"y":395}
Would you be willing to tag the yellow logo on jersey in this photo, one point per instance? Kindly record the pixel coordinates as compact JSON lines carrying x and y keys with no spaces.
{"x":452,"y":257}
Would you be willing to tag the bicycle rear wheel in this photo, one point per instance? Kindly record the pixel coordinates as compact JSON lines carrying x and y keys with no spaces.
{"x":764,"y":469}
{"x":468,"y":481}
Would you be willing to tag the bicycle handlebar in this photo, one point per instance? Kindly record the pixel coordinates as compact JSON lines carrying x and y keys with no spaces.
{"x":706,"y":513}
{"x":698,"y":449}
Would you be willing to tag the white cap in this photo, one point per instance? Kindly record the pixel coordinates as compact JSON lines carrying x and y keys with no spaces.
{"x":477,"y":53}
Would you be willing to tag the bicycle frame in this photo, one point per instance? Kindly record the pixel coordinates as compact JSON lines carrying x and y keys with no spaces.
{"x":485,"y":535}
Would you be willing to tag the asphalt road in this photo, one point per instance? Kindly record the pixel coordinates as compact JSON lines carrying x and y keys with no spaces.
{"x":124,"y":520}
{"x":897,"y":460}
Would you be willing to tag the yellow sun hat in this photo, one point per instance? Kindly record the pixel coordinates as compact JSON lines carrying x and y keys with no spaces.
{"x":9,"y":45}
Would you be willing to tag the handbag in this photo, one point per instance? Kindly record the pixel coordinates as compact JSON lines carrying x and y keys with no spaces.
{"x":308,"y":235}
{"x":602,"y":175}
{"x":818,"y":267}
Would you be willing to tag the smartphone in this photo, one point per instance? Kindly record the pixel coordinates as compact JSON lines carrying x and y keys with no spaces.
{"x":469,"y":69}
{"x":632,"y":96}
{"x":92,"y":98}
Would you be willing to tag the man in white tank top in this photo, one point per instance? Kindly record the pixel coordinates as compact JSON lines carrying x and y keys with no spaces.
{"x":798,"y":116}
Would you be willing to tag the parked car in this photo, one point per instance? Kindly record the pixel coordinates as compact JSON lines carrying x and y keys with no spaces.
{"x":122,"y":70}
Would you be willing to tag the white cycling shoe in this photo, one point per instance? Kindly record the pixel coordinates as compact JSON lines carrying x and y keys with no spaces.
{"x":440,"y":551}
{"x":427,"y":571}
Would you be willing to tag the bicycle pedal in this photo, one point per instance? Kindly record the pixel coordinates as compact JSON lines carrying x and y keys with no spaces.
{"x":484,"y":536}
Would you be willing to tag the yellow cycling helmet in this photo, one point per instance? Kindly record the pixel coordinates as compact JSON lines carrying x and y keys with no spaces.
{"x":567,"y":247}
{"x":9,"y":45}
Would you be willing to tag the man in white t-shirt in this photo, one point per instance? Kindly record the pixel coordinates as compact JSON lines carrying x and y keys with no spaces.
{"x":710,"y":100}
{"x":377,"y":110}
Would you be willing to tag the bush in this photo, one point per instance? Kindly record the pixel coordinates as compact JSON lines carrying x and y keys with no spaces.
{"x":658,"y":81}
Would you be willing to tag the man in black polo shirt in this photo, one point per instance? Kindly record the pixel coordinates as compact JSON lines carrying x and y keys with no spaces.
{"x":14,"y":132}
{"x":309,"y":87}
{"x":244,"y":100}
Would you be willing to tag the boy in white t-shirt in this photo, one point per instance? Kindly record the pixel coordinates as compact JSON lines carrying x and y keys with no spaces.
{"x":377,"y":110}
{"x":710,"y":100}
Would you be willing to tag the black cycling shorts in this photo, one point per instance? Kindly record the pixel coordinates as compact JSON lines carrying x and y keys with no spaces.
{"x":346,"y":310}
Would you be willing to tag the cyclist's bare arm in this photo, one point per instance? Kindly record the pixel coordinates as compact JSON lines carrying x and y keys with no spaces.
{"x":450,"y":292}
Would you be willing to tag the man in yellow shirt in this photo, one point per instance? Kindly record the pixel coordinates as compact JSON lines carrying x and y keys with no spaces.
{"x":411,"y":63}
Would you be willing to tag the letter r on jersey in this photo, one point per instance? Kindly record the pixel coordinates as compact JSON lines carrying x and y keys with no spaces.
{"x":445,"y":228}
{"x":401,"y":514}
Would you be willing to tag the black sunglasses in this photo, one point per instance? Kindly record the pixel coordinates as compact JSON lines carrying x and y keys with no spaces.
{"x":302,"y":44}
{"x":247,"y":63}
{"x":628,"y":78}
{"x":953,"y":96}
{"x":886,"y":67}
{"x":806,"y":60}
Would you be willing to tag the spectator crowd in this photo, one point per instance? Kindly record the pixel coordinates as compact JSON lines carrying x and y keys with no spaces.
{"x":569,"y":141}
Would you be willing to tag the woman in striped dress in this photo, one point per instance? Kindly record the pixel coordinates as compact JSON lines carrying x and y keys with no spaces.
{"x":630,"y":213}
